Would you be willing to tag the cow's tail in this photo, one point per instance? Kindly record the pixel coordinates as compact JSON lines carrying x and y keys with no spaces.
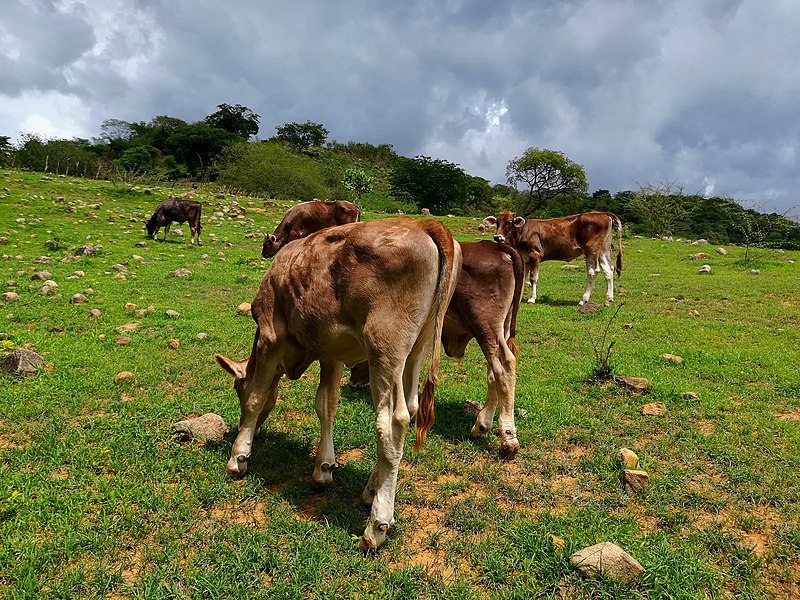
{"x":449,"y":267}
{"x":519,"y":283}
{"x":618,"y":268}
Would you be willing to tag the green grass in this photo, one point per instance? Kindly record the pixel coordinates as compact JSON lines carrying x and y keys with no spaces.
{"x":99,"y":500}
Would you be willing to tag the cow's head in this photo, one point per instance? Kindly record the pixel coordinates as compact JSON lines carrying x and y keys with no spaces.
{"x":271,"y":246}
{"x":508,"y":226}
{"x":152,"y":225}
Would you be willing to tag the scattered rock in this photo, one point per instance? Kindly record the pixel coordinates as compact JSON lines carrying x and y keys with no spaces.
{"x":119,"y":268}
{"x":77,"y":299}
{"x":694,"y":313}
{"x":123,"y":376}
{"x":700,"y":256}
{"x":569,"y":267}
{"x":123,"y":340}
{"x":589,"y":307}
{"x":21,"y":361}
{"x":41,"y":276}
{"x":176,"y":233}
{"x":46,"y":290}
{"x":88,"y":291}
{"x":172,"y":314}
{"x":654,"y":409}
{"x":608,"y":559}
{"x":690,"y":395}
{"x":209,"y":426}
{"x":636,"y":384}
{"x":140,"y":244}
{"x":127,"y":328}
{"x":628,"y":326}
{"x":672,"y":357}
{"x":11,"y":296}
{"x":95,"y":313}
{"x":627,"y":458}
{"x":243,"y":308}
{"x":755,"y":271}
{"x":174,"y":344}
{"x":558,"y":543}
{"x":79,"y":273}
{"x":426,"y":212}
{"x":45,"y":260}
{"x":130,"y":306}
{"x":635,"y":481}
{"x":201,"y":336}
{"x":700,"y":242}
{"x":87,"y":250}
{"x":181,"y":273}
{"x":704,"y":269}
{"x":722,"y":251}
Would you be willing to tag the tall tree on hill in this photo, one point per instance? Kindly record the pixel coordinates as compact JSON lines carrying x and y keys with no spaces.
{"x":357,"y":181}
{"x":548,"y":174}
{"x":435,"y":184}
{"x":237,"y":119}
{"x":5,"y":148}
{"x":302,"y":136}
{"x":661,"y":207}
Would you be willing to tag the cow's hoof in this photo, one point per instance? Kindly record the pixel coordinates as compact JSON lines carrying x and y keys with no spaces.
{"x":323,"y":474}
{"x":374,"y":536}
{"x":237,"y":465}
{"x":609,"y":301}
{"x":509,"y":449}
{"x":479,"y":430}
{"x":531,"y":300}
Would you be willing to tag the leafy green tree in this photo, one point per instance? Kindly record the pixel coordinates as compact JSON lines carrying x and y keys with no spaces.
{"x":302,"y":136}
{"x":662,"y":207}
{"x":547,"y":174}
{"x":115,"y":129}
{"x":479,"y":197}
{"x":436,"y":184}
{"x":197,"y":145}
{"x":5,"y":148}
{"x":140,"y":159}
{"x":358,"y":182}
{"x":237,"y":119}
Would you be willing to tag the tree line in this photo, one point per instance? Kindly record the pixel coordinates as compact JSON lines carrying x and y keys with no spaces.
{"x":300,"y":163}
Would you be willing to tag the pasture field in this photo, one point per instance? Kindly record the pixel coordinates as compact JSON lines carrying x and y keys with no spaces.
{"x":98,"y":499}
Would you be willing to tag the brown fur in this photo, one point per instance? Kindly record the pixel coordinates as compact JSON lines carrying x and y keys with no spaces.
{"x":307,"y":218}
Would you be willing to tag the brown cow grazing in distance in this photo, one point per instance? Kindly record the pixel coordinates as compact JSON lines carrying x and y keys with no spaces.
{"x":589,"y":234}
{"x":375,"y":291}
{"x":306,"y":218}
{"x":180,"y":211}
{"x":484,"y":307}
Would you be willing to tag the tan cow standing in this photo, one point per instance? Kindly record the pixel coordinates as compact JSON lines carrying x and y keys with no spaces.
{"x":565,"y":238}
{"x":375,"y":290}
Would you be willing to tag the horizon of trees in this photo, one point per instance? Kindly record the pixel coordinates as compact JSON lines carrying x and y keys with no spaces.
{"x":300,"y":163}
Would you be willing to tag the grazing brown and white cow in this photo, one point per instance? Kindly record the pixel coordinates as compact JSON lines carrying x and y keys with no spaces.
{"x":180,"y":211}
{"x":589,"y":234}
{"x":306,"y":218}
{"x":484,"y":307}
{"x":375,"y":290}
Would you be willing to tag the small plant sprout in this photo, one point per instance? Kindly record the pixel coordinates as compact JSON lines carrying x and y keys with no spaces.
{"x":603,"y":370}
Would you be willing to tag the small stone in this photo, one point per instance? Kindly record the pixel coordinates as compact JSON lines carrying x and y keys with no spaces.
{"x":755,"y":271}
{"x":41,"y":276}
{"x":77,"y":299}
{"x":635,"y":481}
{"x":123,"y":376}
{"x":101,"y":337}
{"x":123,"y":340}
{"x":87,"y":250}
{"x":174,"y":344}
{"x":130,"y":306}
{"x":79,"y":273}
{"x":672,"y":357}
{"x":46,"y":260}
{"x":95,"y":313}
{"x":22,"y":361}
{"x":11,"y":296}
{"x":137,"y":258}
{"x":140,"y":244}
{"x":181,"y":273}
{"x":627,"y":458}
{"x":209,"y":426}
{"x":636,"y":384}
{"x":589,"y":307}
{"x":608,"y":559}
{"x":569,"y":267}
{"x":628,"y":326}
{"x":46,"y":290}
{"x":722,"y":251}
{"x":704,"y":269}
{"x":127,"y":328}
{"x":243,"y":308}
{"x":700,"y":256}
{"x":694,"y":313}
{"x":172,"y":314}
{"x":120,"y":268}
{"x":558,"y":543}
{"x":690,"y":395}
{"x":176,"y":233}
{"x":11,"y":283}
{"x":654,"y":409}
{"x":88,"y":291}
{"x":700,"y":242}
{"x":201,"y":336}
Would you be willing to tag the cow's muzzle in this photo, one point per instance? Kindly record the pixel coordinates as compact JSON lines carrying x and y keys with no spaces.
{"x":499,"y":238}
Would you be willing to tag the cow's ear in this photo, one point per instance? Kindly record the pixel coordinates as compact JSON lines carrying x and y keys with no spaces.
{"x":490,"y":220}
{"x":237,"y":368}
{"x":519,"y":221}
{"x":272,"y":238}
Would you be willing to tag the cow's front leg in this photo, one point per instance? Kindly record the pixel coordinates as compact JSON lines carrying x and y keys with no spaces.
{"x":534,"y":278}
{"x":327,"y":400}
{"x":166,"y":231}
{"x":392,"y":422}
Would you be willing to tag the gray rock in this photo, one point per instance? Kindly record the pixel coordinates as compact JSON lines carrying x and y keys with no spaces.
{"x":209,"y":426}
{"x":22,"y":361}
{"x":202,"y":336}
{"x":172,"y":314}
{"x":11,"y":296}
{"x":636,"y":384}
{"x":119,"y":268}
{"x":704,"y":269}
{"x":41,"y":276}
{"x":569,"y":267}
{"x":95,"y":313}
{"x":608,"y":559}
{"x":722,"y":251}
{"x":140,"y":244}
{"x":87,"y":250}
{"x":181,"y":273}
{"x":45,"y":260}
{"x":77,"y":299}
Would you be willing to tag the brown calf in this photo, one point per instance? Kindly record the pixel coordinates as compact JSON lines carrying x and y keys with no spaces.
{"x":306,"y":218}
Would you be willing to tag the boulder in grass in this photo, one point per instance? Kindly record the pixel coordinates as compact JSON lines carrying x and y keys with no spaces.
{"x":181,"y":273}
{"x":627,"y":458}
{"x":634,"y":481}
{"x":636,"y":384}
{"x":10,"y":296}
{"x":243,"y":308}
{"x":21,"y":361}
{"x":209,"y":426}
{"x":41,"y":276}
{"x":704,"y":269}
{"x":609,"y":560}
{"x":123,"y":376}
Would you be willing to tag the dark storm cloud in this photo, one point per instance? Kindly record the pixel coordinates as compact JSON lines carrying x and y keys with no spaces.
{"x":699,"y":90}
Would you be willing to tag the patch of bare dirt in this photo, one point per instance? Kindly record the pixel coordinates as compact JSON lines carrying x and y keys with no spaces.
{"x":249,"y":512}
{"x":704,"y":427}
{"x":350,"y":455}
{"x":790,"y":416}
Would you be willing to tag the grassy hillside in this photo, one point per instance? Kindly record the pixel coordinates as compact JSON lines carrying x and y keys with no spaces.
{"x":99,"y":500}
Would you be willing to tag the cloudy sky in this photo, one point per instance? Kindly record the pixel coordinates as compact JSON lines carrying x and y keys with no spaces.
{"x":702,"y":92}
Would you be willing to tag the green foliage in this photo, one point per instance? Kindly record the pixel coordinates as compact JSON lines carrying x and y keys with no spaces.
{"x":139,"y":159}
{"x":548,"y":174}
{"x":237,"y":119}
{"x":273,"y":170}
{"x":436,"y":184}
{"x":302,"y":136}
{"x":198,"y":145}
{"x":661,"y":207}
{"x":5,"y":149}
{"x":381,"y":154}
{"x":358,"y":182}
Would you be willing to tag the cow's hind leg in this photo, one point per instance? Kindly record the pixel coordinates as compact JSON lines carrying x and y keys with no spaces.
{"x":330,"y":377}
{"x":608,"y":272}
{"x":534,"y":278}
{"x":501,"y":375}
{"x":592,"y":269}
{"x":392,"y":422}
{"x":166,"y":230}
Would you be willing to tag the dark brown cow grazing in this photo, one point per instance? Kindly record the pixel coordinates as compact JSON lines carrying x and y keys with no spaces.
{"x":484,"y":307}
{"x":180,"y":211}
{"x":588,"y":234}
{"x":375,"y":291}
{"x":306,"y":218}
